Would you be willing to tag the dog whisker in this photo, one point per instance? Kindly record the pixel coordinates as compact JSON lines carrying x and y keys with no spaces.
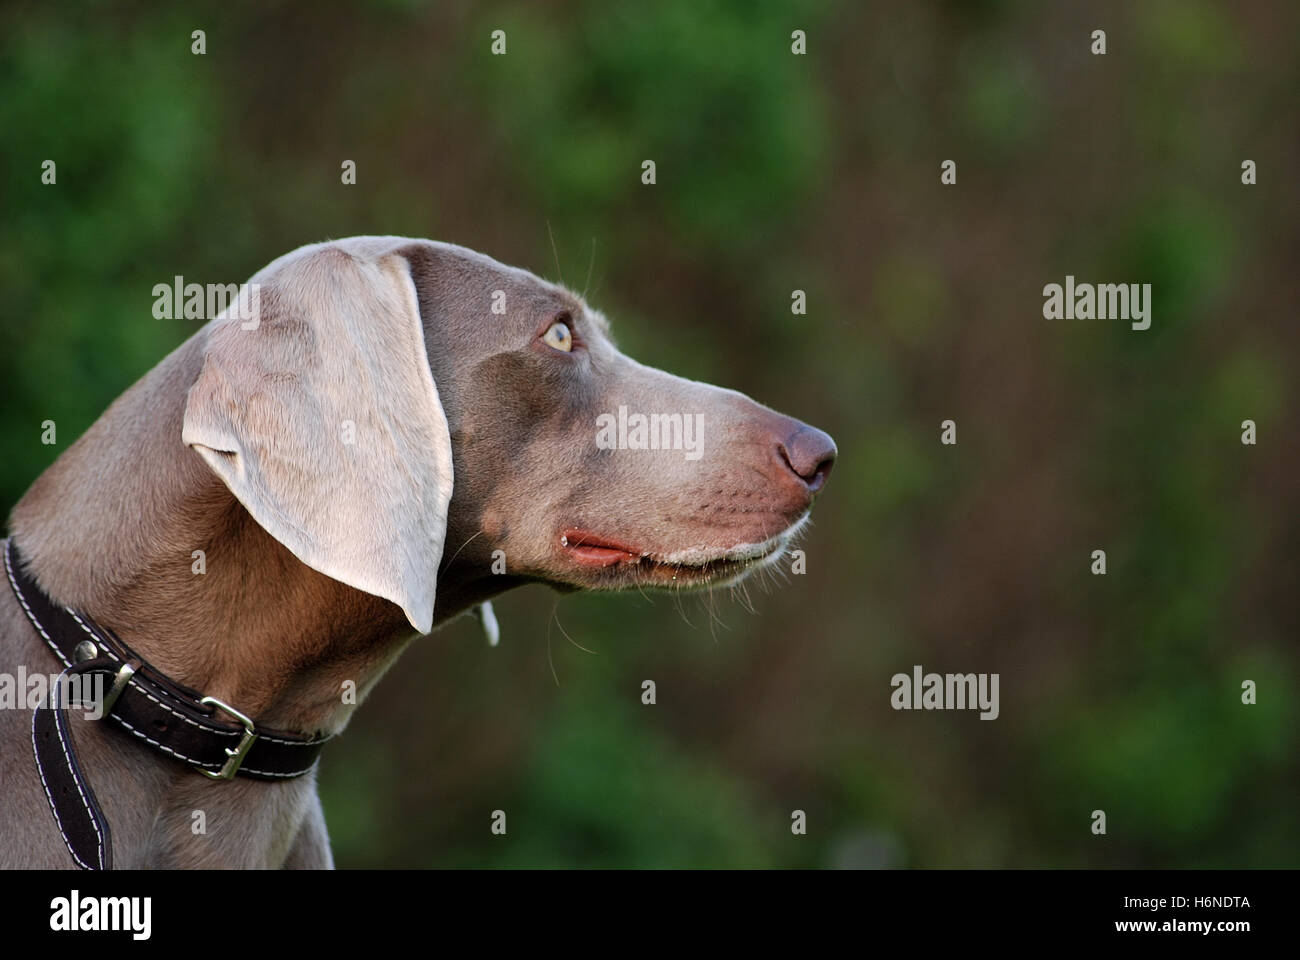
{"x":555,"y":615}
{"x":549,"y":659}
{"x":555,"y":250}
{"x":677,"y":602}
{"x":462,"y":547}
{"x":590,"y":266}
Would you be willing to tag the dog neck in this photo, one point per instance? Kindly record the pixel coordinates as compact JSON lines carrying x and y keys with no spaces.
{"x":131,"y":527}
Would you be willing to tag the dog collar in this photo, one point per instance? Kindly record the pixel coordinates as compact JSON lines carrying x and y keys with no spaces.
{"x":171,"y":718}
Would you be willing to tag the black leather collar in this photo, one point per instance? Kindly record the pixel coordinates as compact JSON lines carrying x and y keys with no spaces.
{"x":144,"y":703}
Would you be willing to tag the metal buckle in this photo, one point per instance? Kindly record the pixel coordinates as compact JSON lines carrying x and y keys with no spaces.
{"x":124,"y":674}
{"x":237,"y":754}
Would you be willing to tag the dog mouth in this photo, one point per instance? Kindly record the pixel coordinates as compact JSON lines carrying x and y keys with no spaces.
{"x":622,"y":560}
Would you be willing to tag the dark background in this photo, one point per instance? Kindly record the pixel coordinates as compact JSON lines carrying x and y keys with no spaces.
{"x":775,"y":172}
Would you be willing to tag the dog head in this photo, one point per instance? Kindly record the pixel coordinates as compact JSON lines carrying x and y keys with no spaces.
{"x":394,"y":406}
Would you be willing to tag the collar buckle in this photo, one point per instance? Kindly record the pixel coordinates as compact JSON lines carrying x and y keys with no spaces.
{"x":120,"y":682}
{"x":236,"y":754}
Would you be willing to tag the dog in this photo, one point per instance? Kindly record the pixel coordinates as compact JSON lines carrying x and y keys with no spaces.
{"x":404,"y":430}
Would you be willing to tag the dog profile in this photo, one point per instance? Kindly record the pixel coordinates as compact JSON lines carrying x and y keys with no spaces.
{"x":404,"y":430}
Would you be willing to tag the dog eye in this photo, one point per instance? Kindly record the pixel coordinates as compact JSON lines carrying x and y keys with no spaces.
{"x":558,"y":336}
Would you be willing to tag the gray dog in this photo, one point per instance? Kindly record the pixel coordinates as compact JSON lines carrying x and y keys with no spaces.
{"x":259,"y":524}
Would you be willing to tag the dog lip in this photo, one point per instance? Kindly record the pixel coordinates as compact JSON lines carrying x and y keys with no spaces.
{"x":592,"y":550}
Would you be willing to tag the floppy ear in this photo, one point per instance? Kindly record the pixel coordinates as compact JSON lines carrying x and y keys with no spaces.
{"x":325,"y":423}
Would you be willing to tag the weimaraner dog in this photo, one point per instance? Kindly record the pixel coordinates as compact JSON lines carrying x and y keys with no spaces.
{"x":257,"y":527}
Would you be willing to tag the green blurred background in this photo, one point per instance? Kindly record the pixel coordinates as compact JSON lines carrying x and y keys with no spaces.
{"x":775,"y":172}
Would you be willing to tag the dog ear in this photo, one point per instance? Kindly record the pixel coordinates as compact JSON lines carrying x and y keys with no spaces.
{"x":321,"y":415}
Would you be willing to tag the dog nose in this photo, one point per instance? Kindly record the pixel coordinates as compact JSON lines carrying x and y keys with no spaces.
{"x":809,"y":454}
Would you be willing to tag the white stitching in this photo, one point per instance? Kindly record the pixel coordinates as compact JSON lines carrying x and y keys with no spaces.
{"x":89,"y":632}
{"x":293,"y":743}
{"x":50,"y":798}
{"x":9,"y":571}
{"x":75,"y":779}
{"x":191,"y":722}
{"x":60,"y":725}
{"x":270,"y":773}
{"x":162,"y":746}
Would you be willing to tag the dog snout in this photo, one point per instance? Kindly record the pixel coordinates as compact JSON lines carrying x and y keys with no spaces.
{"x":809,"y":454}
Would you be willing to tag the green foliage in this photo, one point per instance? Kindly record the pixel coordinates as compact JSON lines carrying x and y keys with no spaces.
{"x":710,"y":92}
{"x":604,"y":789}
